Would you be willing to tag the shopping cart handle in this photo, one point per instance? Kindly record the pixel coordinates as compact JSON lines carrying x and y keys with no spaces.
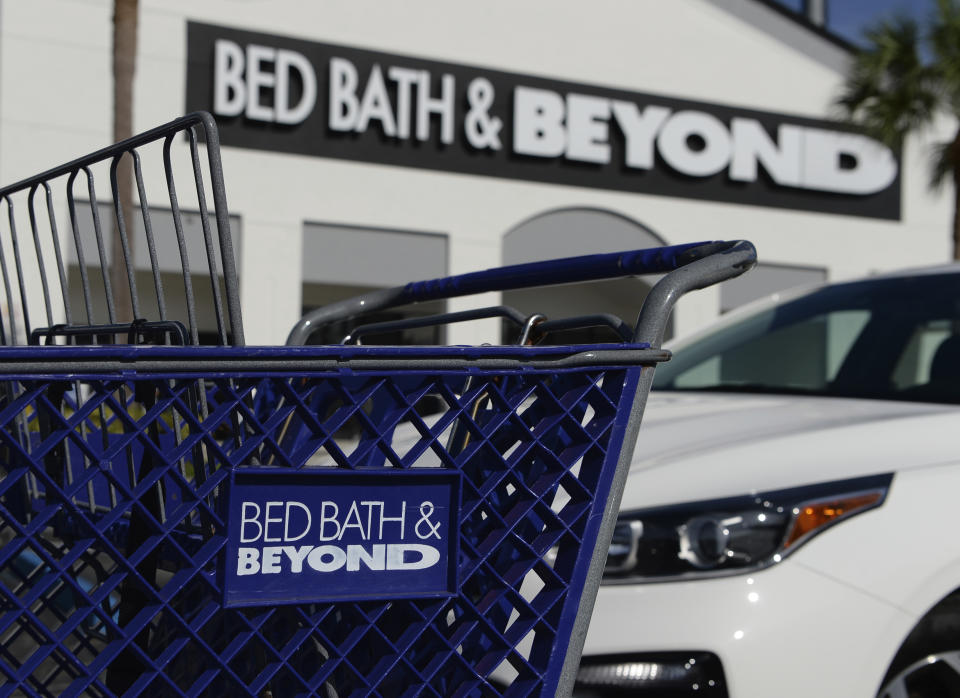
{"x":659,"y":260}
{"x":726,"y":263}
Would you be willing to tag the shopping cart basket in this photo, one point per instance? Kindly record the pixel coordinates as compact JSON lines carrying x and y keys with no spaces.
{"x":340,"y":520}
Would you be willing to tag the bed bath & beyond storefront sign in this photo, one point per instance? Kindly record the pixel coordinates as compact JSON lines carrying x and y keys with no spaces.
{"x":288,"y":95}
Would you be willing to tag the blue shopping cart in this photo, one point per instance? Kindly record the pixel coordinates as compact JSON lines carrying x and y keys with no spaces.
{"x":340,"y":520}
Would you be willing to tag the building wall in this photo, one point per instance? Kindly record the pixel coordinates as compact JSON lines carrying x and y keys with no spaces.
{"x":55,"y":104}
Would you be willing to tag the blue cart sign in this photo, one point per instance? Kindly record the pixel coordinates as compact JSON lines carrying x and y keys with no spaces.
{"x":320,"y":535}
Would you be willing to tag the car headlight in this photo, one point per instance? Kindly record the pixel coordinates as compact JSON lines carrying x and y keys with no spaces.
{"x":733,"y":535}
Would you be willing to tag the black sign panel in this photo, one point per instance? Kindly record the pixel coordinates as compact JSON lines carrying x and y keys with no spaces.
{"x":288,"y":95}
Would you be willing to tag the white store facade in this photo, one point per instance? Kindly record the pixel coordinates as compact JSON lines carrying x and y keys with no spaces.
{"x":368,"y":144}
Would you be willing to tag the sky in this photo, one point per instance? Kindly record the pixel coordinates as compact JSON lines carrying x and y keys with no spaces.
{"x":849,"y":17}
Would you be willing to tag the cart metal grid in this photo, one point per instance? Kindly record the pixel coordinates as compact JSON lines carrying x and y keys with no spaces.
{"x":131,"y":476}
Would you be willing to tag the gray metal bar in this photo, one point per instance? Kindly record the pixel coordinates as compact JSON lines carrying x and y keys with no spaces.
{"x":11,"y":319}
{"x":268,"y":365}
{"x":78,"y":247}
{"x":36,"y":246}
{"x":500,"y":311}
{"x":122,"y":230}
{"x":529,"y":325}
{"x":207,"y":239}
{"x":101,"y":248}
{"x":181,"y":242}
{"x":15,"y":245}
{"x":376,"y":300}
{"x":148,"y":233}
{"x":227,"y":259}
{"x":61,"y":270}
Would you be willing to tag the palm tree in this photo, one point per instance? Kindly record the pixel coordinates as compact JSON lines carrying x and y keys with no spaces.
{"x":124,"y":65}
{"x":123,"y":673}
{"x":905,"y":76}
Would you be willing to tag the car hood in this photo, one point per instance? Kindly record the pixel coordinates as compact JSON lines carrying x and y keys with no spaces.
{"x":706,"y":445}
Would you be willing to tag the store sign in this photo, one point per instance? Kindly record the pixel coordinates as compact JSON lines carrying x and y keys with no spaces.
{"x":325,"y":534}
{"x":280,"y":94}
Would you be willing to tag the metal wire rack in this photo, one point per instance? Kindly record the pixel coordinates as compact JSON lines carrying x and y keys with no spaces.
{"x":72,"y":218}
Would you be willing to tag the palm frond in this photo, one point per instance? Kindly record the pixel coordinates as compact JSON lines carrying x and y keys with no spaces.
{"x":945,"y":45}
{"x":942,"y":163}
{"x":889,"y":90}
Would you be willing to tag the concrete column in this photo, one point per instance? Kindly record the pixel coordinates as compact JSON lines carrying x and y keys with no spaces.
{"x":816,"y":11}
{"x":466,"y":256}
{"x":270,"y":279}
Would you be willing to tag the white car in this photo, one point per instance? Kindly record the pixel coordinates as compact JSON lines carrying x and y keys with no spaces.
{"x":791,"y":524}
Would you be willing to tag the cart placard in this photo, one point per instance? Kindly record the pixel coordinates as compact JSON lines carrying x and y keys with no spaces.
{"x":325,"y":535}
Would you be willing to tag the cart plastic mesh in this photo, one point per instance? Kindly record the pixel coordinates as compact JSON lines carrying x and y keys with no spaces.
{"x":113,"y":527}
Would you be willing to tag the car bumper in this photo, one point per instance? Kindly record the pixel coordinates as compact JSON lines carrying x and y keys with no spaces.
{"x":785,"y":631}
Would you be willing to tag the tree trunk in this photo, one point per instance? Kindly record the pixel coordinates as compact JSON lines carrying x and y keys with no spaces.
{"x":124,"y":65}
{"x":123,"y":672}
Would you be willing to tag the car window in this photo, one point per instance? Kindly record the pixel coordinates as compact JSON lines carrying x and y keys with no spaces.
{"x":913,"y":369}
{"x":803,"y":355}
{"x":896,"y":338}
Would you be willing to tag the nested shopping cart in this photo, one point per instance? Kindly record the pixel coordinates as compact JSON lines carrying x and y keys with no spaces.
{"x":340,"y":520}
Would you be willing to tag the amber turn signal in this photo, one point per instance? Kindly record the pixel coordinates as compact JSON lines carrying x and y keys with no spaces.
{"x":812,"y":516}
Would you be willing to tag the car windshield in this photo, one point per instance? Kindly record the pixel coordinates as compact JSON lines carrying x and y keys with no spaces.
{"x":892,"y":338}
